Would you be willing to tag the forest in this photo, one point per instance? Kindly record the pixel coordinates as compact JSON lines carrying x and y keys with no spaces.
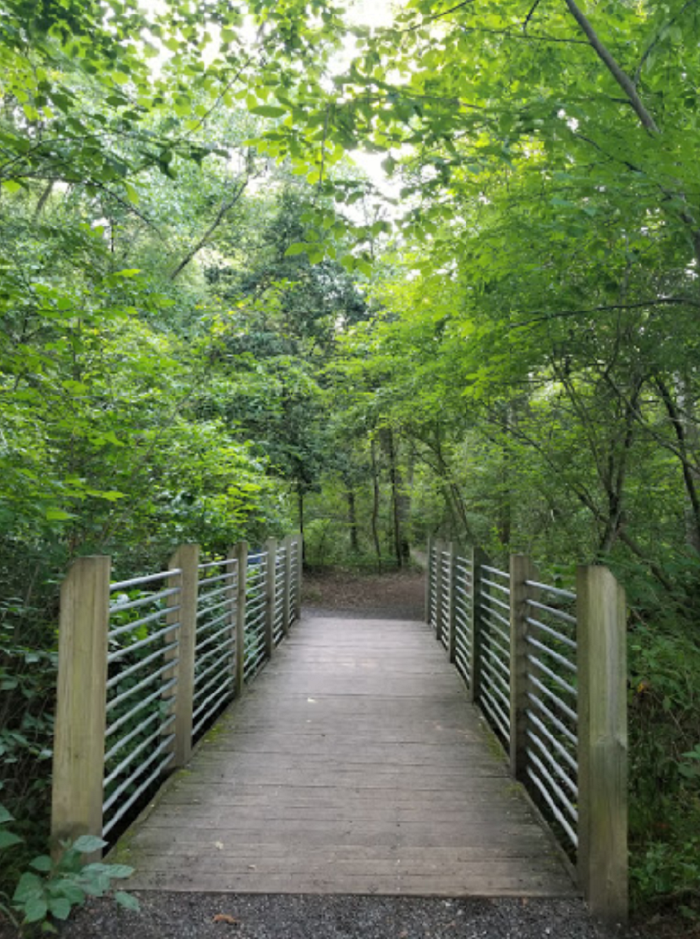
{"x":215,"y":324}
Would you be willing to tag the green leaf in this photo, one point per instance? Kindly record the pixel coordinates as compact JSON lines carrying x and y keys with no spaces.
{"x":35,"y":909}
{"x":57,"y":515}
{"x":268,"y":110}
{"x":86,"y":844}
{"x":60,"y":907}
{"x":5,"y":816}
{"x":127,"y":900}
{"x":41,"y":863}
{"x":28,"y":886}
{"x":297,"y":248}
{"x":9,"y":838}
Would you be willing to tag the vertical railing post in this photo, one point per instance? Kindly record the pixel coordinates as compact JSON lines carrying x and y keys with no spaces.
{"x":79,"y":740}
{"x":602,"y":737}
{"x":184,"y":612}
{"x":300,"y":571}
{"x":287,"y":606}
{"x":521,"y":571}
{"x":429,"y":586}
{"x":232,"y":594}
{"x":478,"y":557}
{"x":452,"y":598}
{"x":242,"y":555}
{"x":271,"y":569}
{"x":439,"y":589}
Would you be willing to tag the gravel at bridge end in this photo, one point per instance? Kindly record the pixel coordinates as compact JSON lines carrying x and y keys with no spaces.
{"x":220,"y":916}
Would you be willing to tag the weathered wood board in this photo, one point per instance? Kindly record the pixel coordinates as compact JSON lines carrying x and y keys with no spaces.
{"x":354,"y":764}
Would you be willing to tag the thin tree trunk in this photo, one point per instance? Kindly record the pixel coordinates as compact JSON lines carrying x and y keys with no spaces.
{"x":352,"y":520}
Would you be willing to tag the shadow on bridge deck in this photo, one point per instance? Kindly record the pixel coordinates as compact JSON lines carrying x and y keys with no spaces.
{"x":353,"y":765}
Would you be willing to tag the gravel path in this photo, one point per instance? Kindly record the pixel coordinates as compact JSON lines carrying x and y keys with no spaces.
{"x":213,"y":916}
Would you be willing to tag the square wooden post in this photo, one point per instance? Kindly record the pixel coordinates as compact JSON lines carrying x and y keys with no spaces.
{"x":439,"y":589}
{"x":521,"y":570}
{"x":428,"y":585}
{"x":79,"y":739}
{"x":603,"y":746}
{"x":478,"y":557}
{"x":241,"y":550}
{"x":299,"y":572}
{"x":270,"y":594}
{"x":287,"y":605}
{"x":184,"y":612}
{"x":452,"y":596}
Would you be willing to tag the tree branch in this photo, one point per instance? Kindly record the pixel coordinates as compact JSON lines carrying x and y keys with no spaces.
{"x":620,"y":77}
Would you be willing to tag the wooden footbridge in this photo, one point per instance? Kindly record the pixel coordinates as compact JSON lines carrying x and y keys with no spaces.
{"x":355,"y":761}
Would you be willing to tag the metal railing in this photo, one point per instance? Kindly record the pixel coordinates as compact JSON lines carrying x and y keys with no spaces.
{"x":517,"y":643}
{"x":147,"y":664}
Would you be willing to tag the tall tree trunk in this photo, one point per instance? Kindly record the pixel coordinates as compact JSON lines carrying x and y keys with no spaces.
{"x":300,"y":508}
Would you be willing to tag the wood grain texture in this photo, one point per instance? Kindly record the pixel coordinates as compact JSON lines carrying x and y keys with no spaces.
{"x":354,"y":764}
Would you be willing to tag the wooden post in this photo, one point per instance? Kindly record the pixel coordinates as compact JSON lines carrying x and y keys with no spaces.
{"x":477,"y":559}
{"x":439,"y":591}
{"x":521,"y":570}
{"x":452,"y":597}
{"x":79,"y":740}
{"x":300,"y":568}
{"x":184,"y":612}
{"x":287,"y":606}
{"x":271,"y":548}
{"x":602,"y":738}
{"x":428,"y":586}
{"x":232,"y":594}
{"x":241,"y":550}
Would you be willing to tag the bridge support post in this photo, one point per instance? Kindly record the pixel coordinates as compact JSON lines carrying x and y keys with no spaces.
{"x":429,"y":599}
{"x":270,"y":595}
{"x":79,"y":740}
{"x":478,"y":557}
{"x":184,"y":612}
{"x":439,"y":589}
{"x":452,"y":582}
{"x":603,"y":747}
{"x":521,"y":570}
{"x":299,"y":541}
{"x":241,"y":550}
{"x":287,"y":588}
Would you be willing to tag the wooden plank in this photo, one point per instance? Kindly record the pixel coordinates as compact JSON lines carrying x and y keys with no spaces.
{"x":603,"y":745}
{"x":335,"y":791}
{"x":79,"y":742}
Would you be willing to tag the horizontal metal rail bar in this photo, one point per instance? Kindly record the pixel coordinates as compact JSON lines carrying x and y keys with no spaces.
{"x":202,"y":674}
{"x":557,"y":679}
{"x":203,"y":628}
{"x":553,"y":719}
{"x":494,"y":713}
{"x":558,"y":814}
{"x":570,"y":713}
{"x":140,"y":685}
{"x":505,"y":669}
{"x":496,"y":586}
{"x":143,"y":601}
{"x":495,"y":570}
{"x":553,"y":611}
{"x":571,"y":643}
{"x":212,"y":638}
{"x":120,"y":676}
{"x":498,"y":617}
{"x":554,"y":786}
{"x":556,"y":767}
{"x":156,"y":735}
{"x":122,"y":741}
{"x":214,"y":682}
{"x":495,"y":600}
{"x":216,"y":651}
{"x":139,"y":706}
{"x":557,"y":591}
{"x":117,"y":654}
{"x":222,"y":562}
{"x":557,"y":744}
{"x":148,"y":579}
{"x":571,"y":666}
{"x":211,"y":709}
{"x":126,"y":805}
{"x":230,"y":576}
{"x":109,"y":802}
{"x":210,"y":594}
{"x":142,"y":621}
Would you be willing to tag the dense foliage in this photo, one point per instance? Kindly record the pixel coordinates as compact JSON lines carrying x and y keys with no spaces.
{"x":213,"y":326}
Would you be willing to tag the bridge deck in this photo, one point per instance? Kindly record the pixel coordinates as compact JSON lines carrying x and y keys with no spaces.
{"x":354,"y":764}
